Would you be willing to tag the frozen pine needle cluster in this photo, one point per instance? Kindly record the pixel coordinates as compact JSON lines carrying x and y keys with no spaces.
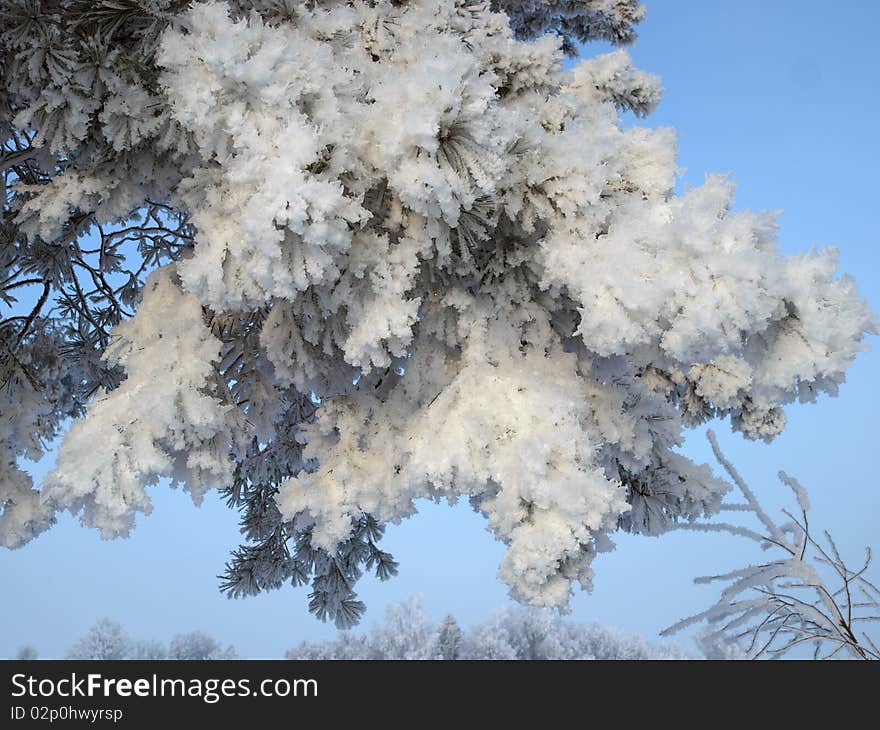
{"x":377,"y":251}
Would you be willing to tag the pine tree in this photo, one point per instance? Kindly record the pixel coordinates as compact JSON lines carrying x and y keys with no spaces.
{"x":332,"y":257}
{"x":449,"y":637}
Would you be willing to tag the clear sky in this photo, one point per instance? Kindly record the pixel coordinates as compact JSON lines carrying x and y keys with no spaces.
{"x":779,"y":93}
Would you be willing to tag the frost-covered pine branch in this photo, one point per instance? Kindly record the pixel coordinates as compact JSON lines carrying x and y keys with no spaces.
{"x":334,"y":257}
{"x":806,"y":596}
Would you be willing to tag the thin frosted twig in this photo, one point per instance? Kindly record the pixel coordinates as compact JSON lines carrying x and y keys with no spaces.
{"x":783,"y":604}
{"x":744,"y":488}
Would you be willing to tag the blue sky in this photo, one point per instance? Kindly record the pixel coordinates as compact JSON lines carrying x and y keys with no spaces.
{"x":779,"y":94}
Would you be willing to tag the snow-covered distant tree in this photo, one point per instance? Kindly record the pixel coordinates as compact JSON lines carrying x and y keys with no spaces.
{"x":406,"y":632}
{"x":511,"y":633}
{"x":197,"y":645}
{"x":335,"y":256}
{"x":107,"y":639}
{"x":449,"y":639}
{"x":534,"y":634}
{"x":148,"y":649}
{"x":345,"y":646}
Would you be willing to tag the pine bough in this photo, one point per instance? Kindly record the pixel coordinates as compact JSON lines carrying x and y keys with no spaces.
{"x":377,"y":251}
